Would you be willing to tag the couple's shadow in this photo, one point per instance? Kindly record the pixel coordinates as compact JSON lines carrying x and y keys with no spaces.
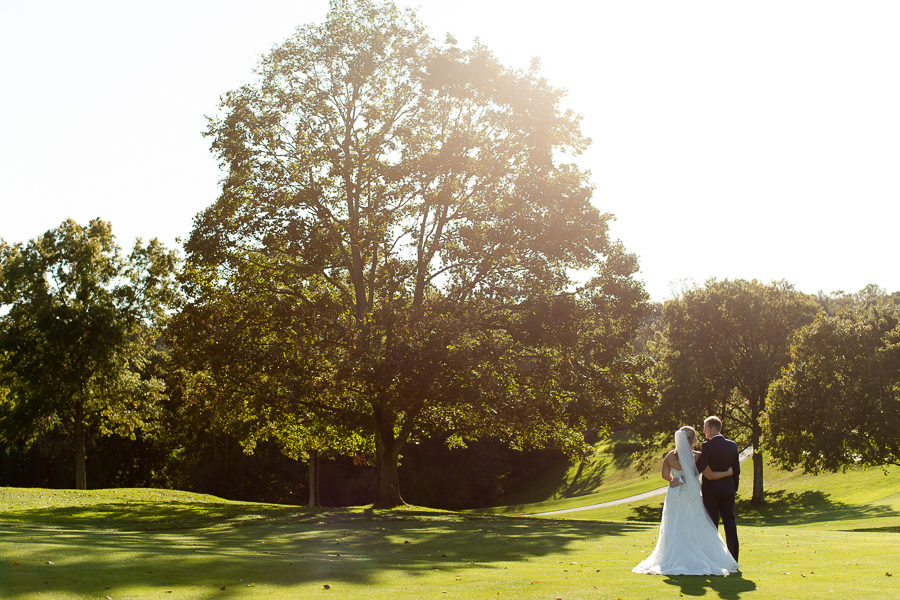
{"x":730,"y":587}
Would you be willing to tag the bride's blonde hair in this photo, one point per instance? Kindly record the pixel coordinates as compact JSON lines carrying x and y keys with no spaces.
{"x":690,"y":433}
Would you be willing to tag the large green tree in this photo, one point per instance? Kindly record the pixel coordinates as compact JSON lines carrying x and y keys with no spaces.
{"x":395,"y":241}
{"x":78,"y":322}
{"x":720,"y":347}
{"x":838,"y":401}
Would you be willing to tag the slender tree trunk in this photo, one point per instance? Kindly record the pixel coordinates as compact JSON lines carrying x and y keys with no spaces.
{"x":314,"y":478}
{"x":758,"y":493}
{"x":387,"y":453}
{"x":80,"y":459}
{"x":758,"y":497}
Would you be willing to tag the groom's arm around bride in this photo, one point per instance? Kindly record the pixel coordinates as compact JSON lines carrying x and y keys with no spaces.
{"x":718,"y":454}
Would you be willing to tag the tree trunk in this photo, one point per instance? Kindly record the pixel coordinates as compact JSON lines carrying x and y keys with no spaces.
{"x":314,"y":478}
{"x":758,"y":497}
{"x":80,"y":459}
{"x":387,"y":453}
{"x":758,"y":494}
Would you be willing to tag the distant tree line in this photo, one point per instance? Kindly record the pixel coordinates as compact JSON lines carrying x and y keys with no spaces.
{"x":90,"y":382}
{"x":404,"y":276}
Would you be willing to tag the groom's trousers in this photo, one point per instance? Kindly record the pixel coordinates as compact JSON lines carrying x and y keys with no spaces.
{"x":723,"y":506}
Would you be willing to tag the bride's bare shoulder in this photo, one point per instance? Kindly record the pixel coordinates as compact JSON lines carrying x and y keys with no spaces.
{"x":672,"y":459}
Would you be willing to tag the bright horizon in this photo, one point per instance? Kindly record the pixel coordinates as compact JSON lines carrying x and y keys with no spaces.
{"x":730,"y":141}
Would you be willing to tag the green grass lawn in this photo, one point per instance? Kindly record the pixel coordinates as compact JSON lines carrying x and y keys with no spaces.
{"x":832,"y":536}
{"x":855,"y":499}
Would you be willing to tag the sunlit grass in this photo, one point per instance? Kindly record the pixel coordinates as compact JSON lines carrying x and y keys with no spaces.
{"x":827,"y":536}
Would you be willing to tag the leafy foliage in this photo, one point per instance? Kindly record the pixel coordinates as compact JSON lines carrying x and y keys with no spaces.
{"x":720,"y":348}
{"x":837,"y":402}
{"x":80,"y":323}
{"x":392,"y":248}
{"x":868,"y":296}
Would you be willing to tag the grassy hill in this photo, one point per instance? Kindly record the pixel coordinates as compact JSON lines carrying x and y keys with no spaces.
{"x":609,"y":474}
{"x":857,"y":497}
{"x":834,"y":535}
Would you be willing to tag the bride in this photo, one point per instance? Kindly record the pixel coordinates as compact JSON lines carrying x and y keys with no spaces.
{"x":688,"y":543}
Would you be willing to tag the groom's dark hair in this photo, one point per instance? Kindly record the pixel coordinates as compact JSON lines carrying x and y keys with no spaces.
{"x":714,"y":422}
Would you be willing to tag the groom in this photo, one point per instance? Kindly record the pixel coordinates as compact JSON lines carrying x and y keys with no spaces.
{"x":720,"y":453}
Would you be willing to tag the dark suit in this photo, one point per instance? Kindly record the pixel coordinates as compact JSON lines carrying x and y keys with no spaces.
{"x":718,"y":496}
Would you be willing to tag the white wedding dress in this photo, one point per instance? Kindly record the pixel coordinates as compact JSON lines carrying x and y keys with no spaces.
{"x":688,"y":543}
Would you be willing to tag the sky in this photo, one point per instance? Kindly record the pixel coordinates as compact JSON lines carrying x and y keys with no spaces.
{"x":756,"y":140}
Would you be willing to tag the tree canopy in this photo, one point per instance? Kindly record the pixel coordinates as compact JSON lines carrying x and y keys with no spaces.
{"x":79,"y":321}
{"x":394,"y":244}
{"x":720,"y":347}
{"x":836,"y":404}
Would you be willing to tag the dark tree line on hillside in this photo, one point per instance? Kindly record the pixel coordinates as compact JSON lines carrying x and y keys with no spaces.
{"x":384,"y":285}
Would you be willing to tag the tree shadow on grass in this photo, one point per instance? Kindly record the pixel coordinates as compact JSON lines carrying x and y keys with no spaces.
{"x":587,"y":479}
{"x":728,"y":588}
{"x":557,"y":482}
{"x":589,"y":476}
{"x":99,"y":548}
{"x":646,"y":513}
{"x":885,"y":529}
{"x":792,"y":508}
{"x":786,"y":508}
